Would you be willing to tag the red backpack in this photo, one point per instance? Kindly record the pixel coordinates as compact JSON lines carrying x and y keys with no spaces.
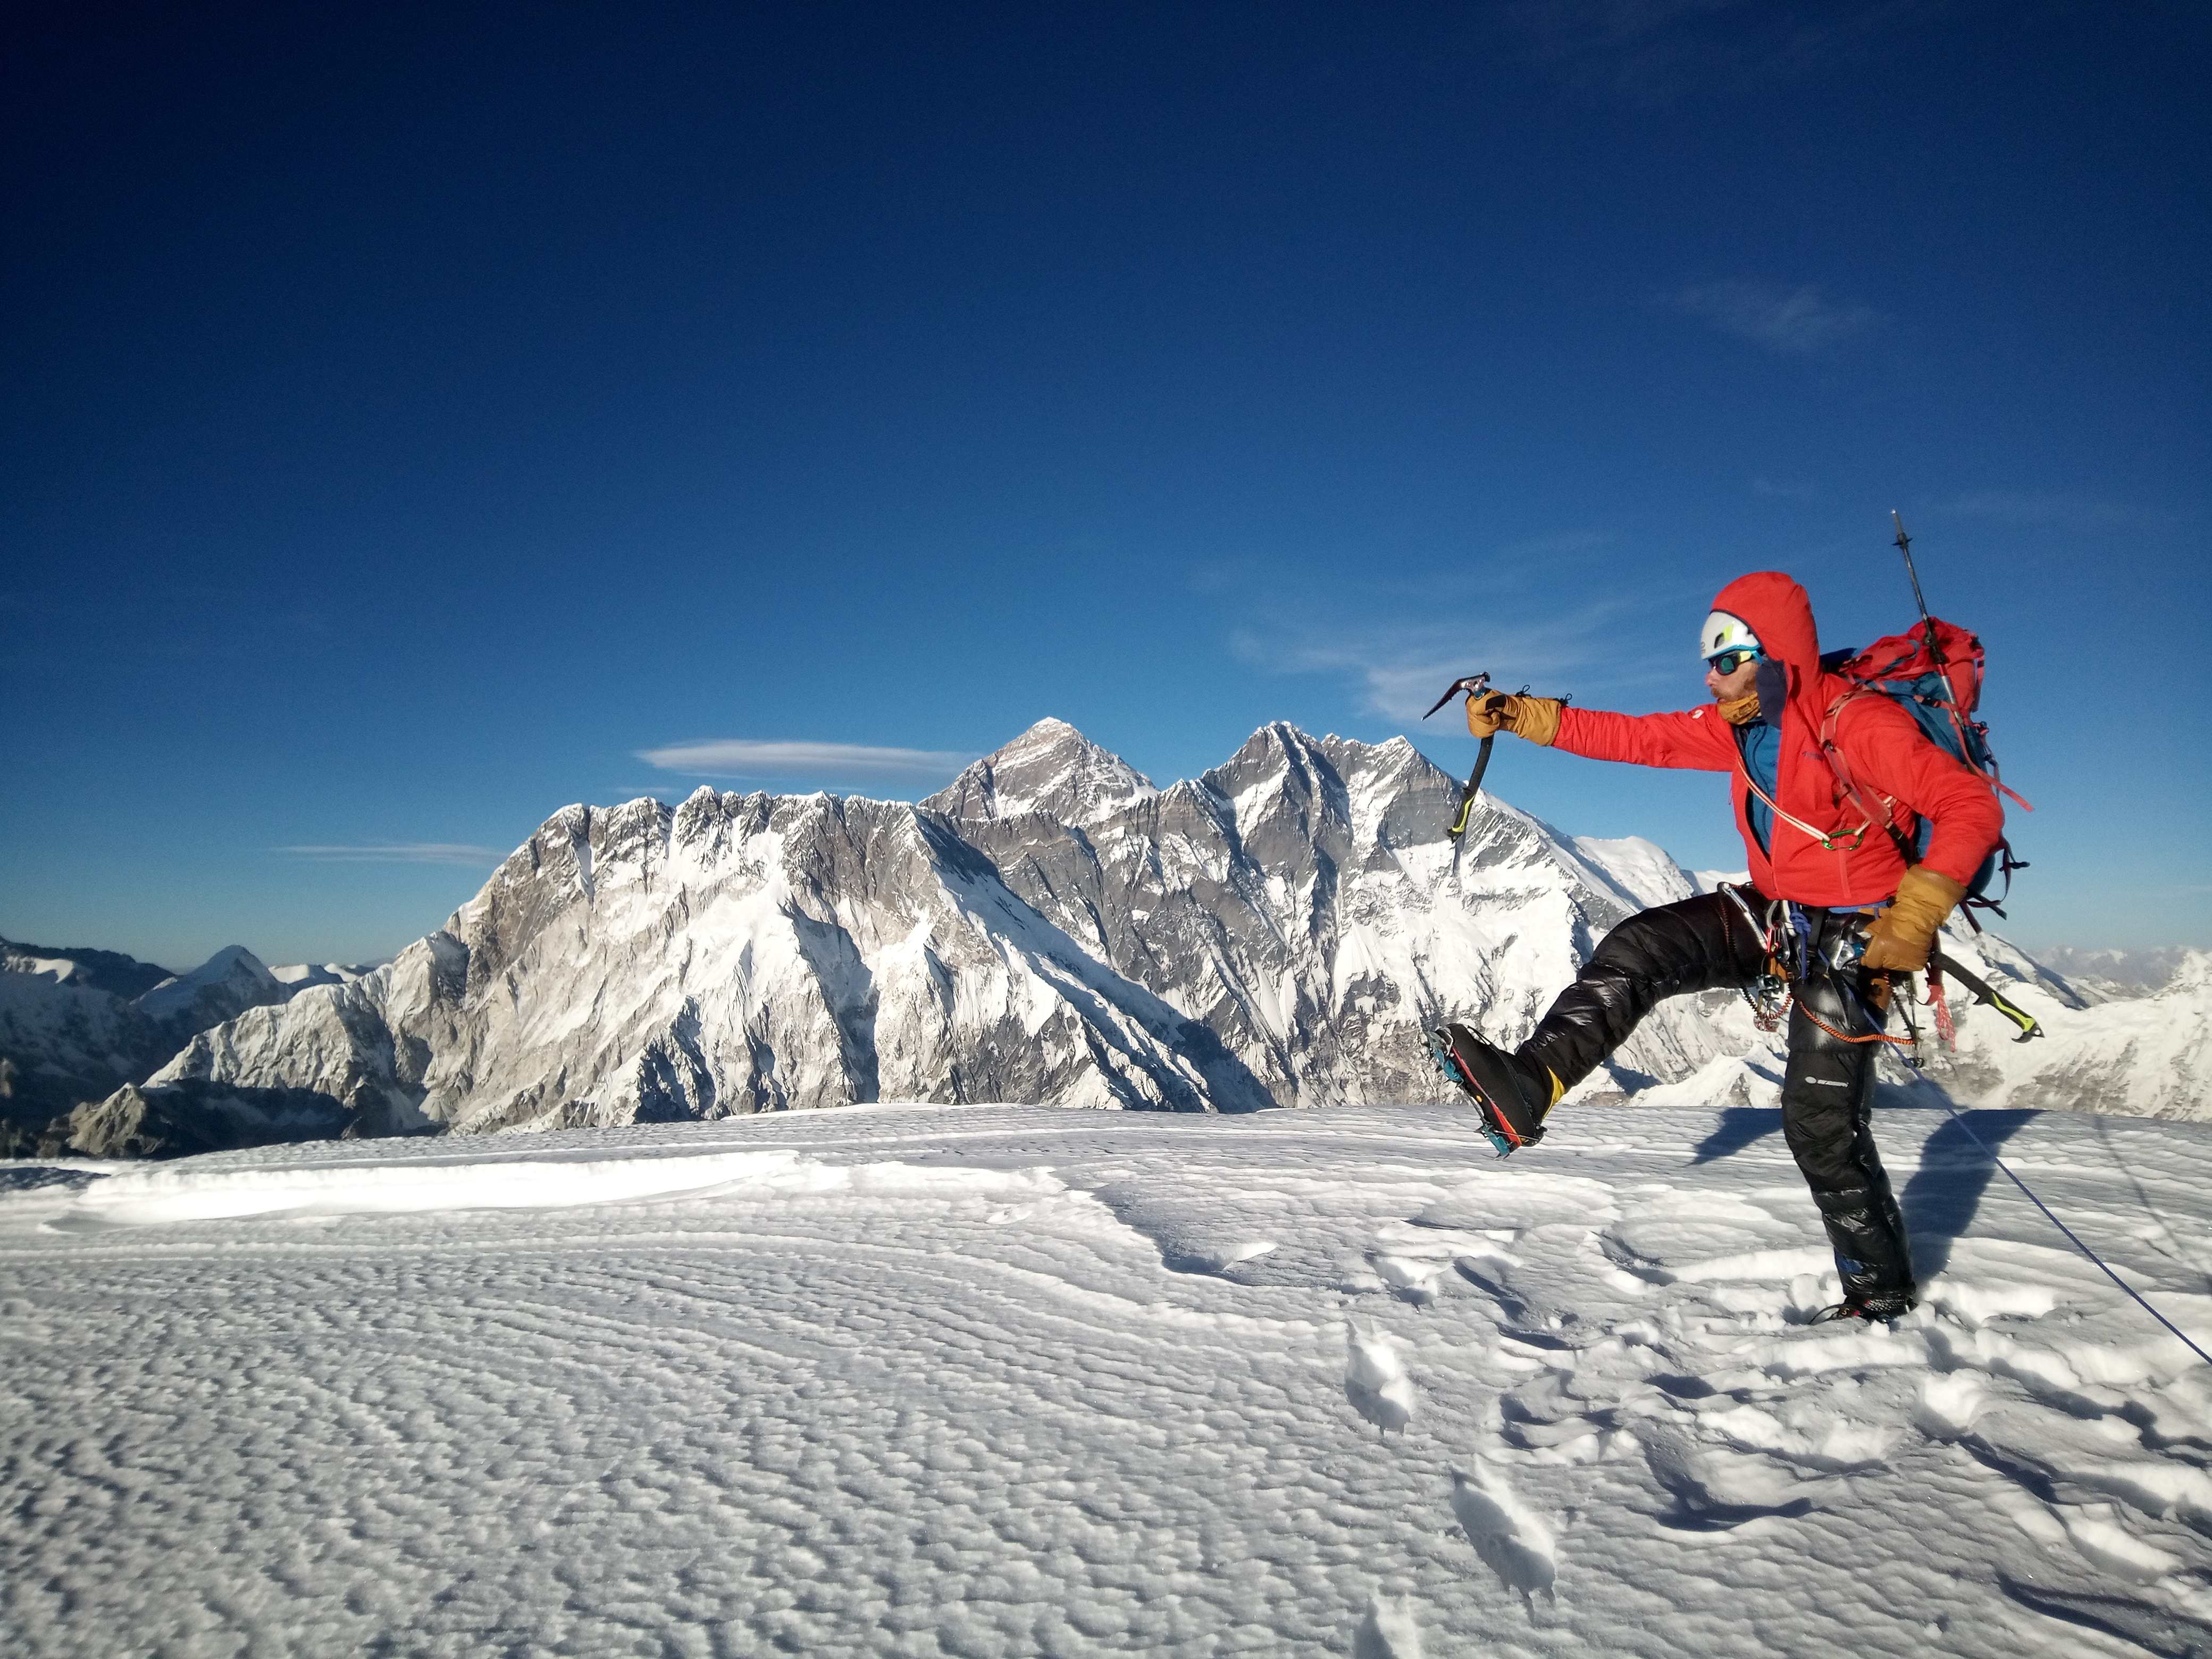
{"x":1934,"y":672}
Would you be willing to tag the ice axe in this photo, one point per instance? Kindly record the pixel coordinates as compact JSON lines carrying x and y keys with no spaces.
{"x":1474,"y":685}
{"x":1987,"y":995}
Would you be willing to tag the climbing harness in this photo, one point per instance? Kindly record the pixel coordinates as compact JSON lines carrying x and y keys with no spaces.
{"x":1785,"y":937}
{"x":1768,"y":994}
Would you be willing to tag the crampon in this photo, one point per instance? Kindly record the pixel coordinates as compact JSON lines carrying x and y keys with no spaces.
{"x":1487,"y":1077}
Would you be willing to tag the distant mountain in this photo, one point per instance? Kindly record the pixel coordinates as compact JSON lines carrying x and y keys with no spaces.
{"x":1051,"y":769}
{"x":739,"y":953}
{"x":223,"y":987}
{"x":2145,"y":1056}
{"x":2104,"y":975}
{"x":110,"y":971}
{"x":75,"y":1024}
{"x":298,"y":976}
{"x":1050,"y":928}
{"x":1301,"y":901}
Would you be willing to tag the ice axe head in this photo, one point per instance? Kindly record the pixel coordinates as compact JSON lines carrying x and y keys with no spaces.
{"x":1471,"y":684}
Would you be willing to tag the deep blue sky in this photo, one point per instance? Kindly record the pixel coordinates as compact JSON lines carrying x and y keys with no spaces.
{"x":412,"y":417}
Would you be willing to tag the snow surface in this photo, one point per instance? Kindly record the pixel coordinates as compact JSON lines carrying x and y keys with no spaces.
{"x":298,"y":976}
{"x":1007,"y":1380}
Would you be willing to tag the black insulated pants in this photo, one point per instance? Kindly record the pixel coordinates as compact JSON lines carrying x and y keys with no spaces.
{"x":1707,"y":944}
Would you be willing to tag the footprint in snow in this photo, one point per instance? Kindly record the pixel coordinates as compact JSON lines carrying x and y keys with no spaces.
{"x":1376,"y":1382}
{"x":1512,"y":1542}
{"x":1410,"y":1279}
{"x":1717,"y":1489}
{"x":1387,"y":1633}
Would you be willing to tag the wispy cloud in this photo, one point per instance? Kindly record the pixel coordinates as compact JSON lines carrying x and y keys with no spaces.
{"x":1785,"y":490}
{"x":1400,"y":669}
{"x":1565,"y":545}
{"x":1657,"y":52}
{"x":2057,"y":510}
{"x":1795,"y":322}
{"x":399,"y":852}
{"x":755,"y":757}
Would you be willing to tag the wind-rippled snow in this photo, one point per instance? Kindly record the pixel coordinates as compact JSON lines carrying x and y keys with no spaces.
{"x":1017,"y":1381}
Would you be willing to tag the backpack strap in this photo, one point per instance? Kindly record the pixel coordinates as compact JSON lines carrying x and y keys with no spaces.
{"x":1835,"y":756}
{"x":2006,"y":862}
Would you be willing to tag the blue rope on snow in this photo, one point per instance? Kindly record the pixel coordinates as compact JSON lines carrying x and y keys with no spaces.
{"x":1960,"y":1117}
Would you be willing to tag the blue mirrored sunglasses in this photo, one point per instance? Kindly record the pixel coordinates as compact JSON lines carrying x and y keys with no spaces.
{"x":1728,"y":662}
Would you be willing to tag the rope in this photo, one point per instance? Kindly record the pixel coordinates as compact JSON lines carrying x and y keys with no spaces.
{"x":1872,"y":1036}
{"x":2074,"y":1238}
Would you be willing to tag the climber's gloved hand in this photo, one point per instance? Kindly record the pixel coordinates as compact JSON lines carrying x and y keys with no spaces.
{"x":1536,"y":719}
{"x":1904,"y":931}
{"x":1487,"y":712}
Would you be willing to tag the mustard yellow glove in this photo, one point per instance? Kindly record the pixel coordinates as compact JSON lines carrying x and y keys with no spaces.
{"x":1902,"y":934}
{"x":1536,"y":719}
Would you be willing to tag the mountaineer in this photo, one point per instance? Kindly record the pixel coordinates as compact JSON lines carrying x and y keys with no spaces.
{"x":1839,"y":904}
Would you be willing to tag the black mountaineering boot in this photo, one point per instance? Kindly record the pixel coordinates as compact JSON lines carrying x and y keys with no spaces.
{"x":1511,"y":1094}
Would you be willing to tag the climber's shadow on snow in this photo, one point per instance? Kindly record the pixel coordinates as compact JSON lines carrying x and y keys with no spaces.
{"x":1945,"y":1193}
{"x":1739,"y":1126}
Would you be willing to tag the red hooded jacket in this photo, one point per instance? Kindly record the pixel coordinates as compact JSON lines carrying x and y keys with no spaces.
{"x":1883,"y":750}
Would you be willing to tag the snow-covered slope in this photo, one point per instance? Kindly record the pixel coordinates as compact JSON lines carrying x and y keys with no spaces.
{"x":2148,"y":1056}
{"x":1012,"y":1382}
{"x":298,"y":976}
{"x":62,"y":1041}
{"x":110,"y":971}
{"x":68,"y":1031}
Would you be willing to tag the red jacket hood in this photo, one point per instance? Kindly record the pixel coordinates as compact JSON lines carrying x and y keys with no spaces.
{"x":1779,"y":613}
{"x":1776,"y":608}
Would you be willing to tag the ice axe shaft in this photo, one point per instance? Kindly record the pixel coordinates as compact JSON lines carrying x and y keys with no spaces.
{"x":1474,"y":685}
{"x":1982,"y":992}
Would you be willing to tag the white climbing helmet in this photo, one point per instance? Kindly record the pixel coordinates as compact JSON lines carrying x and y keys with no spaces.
{"x":1725,"y":631}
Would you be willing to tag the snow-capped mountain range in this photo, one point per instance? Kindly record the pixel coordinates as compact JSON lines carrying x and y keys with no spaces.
{"x":74,"y":1023}
{"x":1049,"y":927}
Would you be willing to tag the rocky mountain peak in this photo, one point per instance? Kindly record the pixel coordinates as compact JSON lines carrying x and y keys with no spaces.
{"x":228,"y":983}
{"x":1051,"y":768}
